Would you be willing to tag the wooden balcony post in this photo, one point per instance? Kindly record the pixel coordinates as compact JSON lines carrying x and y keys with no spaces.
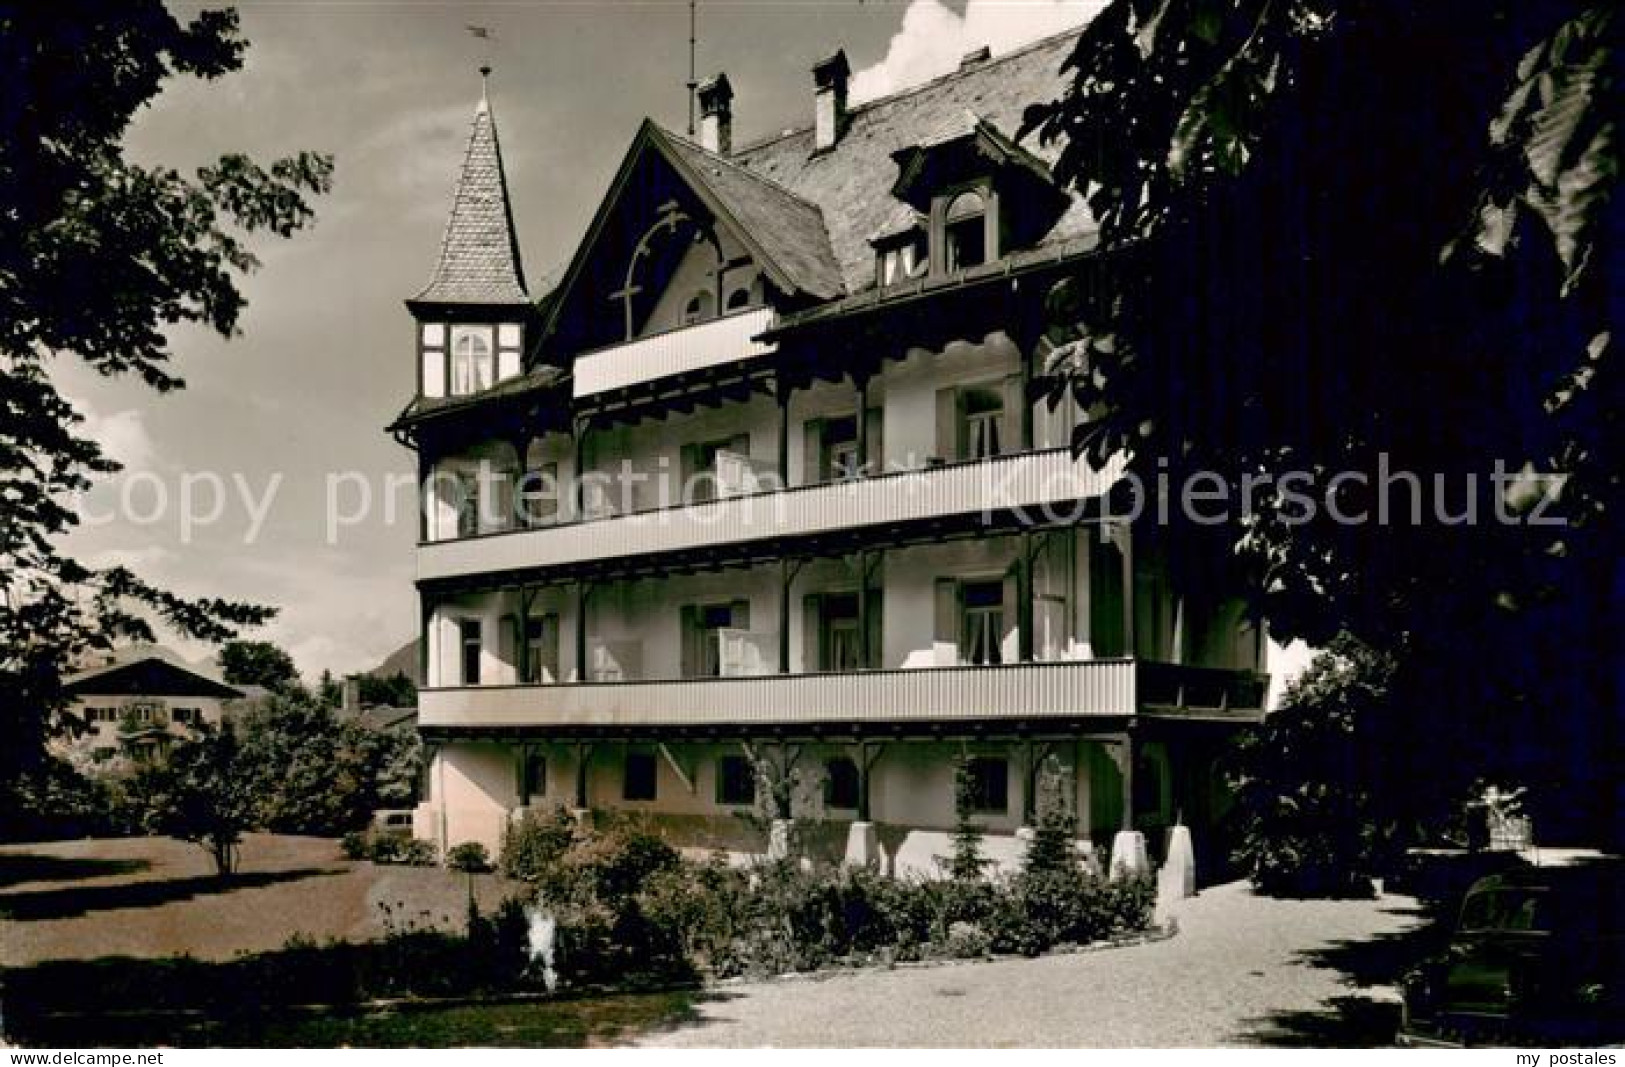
{"x":1124,"y":535}
{"x":425,"y":491}
{"x":1125,"y":764}
{"x":786,"y":577}
{"x":861,"y":380}
{"x":1024,"y":596}
{"x":868,"y":756}
{"x":578,"y":436}
{"x":426,"y":622}
{"x":781,"y":394}
{"x":521,"y":637}
{"x":583,"y":758}
{"x":583,"y":590}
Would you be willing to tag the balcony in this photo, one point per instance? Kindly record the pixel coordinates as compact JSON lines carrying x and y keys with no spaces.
{"x":692,"y":348}
{"x":1025,"y":481}
{"x":1069,"y":690}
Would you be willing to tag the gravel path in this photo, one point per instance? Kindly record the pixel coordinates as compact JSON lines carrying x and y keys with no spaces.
{"x":1243,"y":970}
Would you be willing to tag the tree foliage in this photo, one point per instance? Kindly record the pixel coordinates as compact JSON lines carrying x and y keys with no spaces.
{"x":315,"y":774}
{"x":99,"y":257}
{"x":1374,"y":239}
{"x":203,"y":793}
{"x":1316,"y":813}
{"x":257,"y":663}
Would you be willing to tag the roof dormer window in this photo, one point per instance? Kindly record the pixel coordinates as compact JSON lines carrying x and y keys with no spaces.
{"x":964,"y":232}
{"x":899,"y":258}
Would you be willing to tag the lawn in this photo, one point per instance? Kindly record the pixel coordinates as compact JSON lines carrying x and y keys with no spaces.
{"x":153,"y":897}
{"x":595,"y":1023}
{"x":89,"y":926}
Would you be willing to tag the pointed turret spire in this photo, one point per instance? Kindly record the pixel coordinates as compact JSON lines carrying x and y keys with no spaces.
{"x":479,"y":257}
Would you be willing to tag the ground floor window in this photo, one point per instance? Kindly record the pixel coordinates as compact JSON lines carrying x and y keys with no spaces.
{"x":990,"y":785}
{"x":532,"y":777}
{"x":840,"y":783}
{"x":736,"y":781}
{"x":638,"y":782}
{"x":468,"y":631}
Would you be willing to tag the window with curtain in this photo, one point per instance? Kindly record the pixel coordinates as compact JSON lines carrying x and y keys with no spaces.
{"x":839,"y":461}
{"x":840,"y":646}
{"x":473,"y":364}
{"x":984,"y":412}
{"x":541,"y":649}
{"x":982,"y":622}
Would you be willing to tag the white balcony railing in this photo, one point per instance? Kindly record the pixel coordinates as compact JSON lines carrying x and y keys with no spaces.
{"x":615,"y":661}
{"x":1049,"y":484}
{"x":747,"y":653}
{"x":1028,"y":690}
{"x":691,"y":348}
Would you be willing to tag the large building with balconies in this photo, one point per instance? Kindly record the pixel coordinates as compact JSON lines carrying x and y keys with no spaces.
{"x":764,"y":484}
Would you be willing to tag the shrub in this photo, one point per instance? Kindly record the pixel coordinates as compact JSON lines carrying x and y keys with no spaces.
{"x":470,"y":857}
{"x":387,"y":848}
{"x":1309,"y":812}
{"x":355,"y":845}
{"x":535,"y":843}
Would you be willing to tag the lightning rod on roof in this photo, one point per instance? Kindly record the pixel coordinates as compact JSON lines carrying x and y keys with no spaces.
{"x":693,"y":5}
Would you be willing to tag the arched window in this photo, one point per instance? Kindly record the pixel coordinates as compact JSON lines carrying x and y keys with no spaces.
{"x":739,"y":298}
{"x":472,"y":366}
{"x":965,"y":230}
{"x":698,"y":308}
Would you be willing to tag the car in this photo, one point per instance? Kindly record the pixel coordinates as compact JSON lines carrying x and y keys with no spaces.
{"x":392,"y":822}
{"x":1535,"y":960}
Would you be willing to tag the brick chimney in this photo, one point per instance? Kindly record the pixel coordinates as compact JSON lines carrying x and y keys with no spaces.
{"x":976,"y":57}
{"x":830,"y":78}
{"x":716,"y":115}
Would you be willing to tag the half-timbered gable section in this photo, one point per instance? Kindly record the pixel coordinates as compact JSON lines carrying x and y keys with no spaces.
{"x":685,"y":236}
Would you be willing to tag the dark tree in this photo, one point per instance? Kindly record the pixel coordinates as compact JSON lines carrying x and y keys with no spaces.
{"x":258,"y":663}
{"x":1311,"y":821}
{"x":204,"y":793}
{"x":396,"y":691}
{"x":314,"y":774}
{"x":1364,"y":238}
{"x":99,"y":258}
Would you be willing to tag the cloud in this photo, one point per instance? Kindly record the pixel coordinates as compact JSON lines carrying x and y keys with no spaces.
{"x":417,"y":156}
{"x":123,"y":435}
{"x":933,"y":38}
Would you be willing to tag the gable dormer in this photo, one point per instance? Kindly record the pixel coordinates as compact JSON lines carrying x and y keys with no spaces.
{"x":685,"y":236}
{"x":473,"y":317}
{"x":982,"y":196}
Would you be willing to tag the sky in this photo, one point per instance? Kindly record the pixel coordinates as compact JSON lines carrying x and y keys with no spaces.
{"x":291,"y":412}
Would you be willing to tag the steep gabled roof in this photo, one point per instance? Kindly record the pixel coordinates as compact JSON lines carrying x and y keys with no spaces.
{"x":852,"y":181}
{"x":479,"y":255}
{"x":789,"y":229}
{"x":150,"y":675}
{"x":785,"y":233}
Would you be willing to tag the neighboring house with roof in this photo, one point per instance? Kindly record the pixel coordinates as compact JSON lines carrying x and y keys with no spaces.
{"x":763,"y":485}
{"x":138,"y":702}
